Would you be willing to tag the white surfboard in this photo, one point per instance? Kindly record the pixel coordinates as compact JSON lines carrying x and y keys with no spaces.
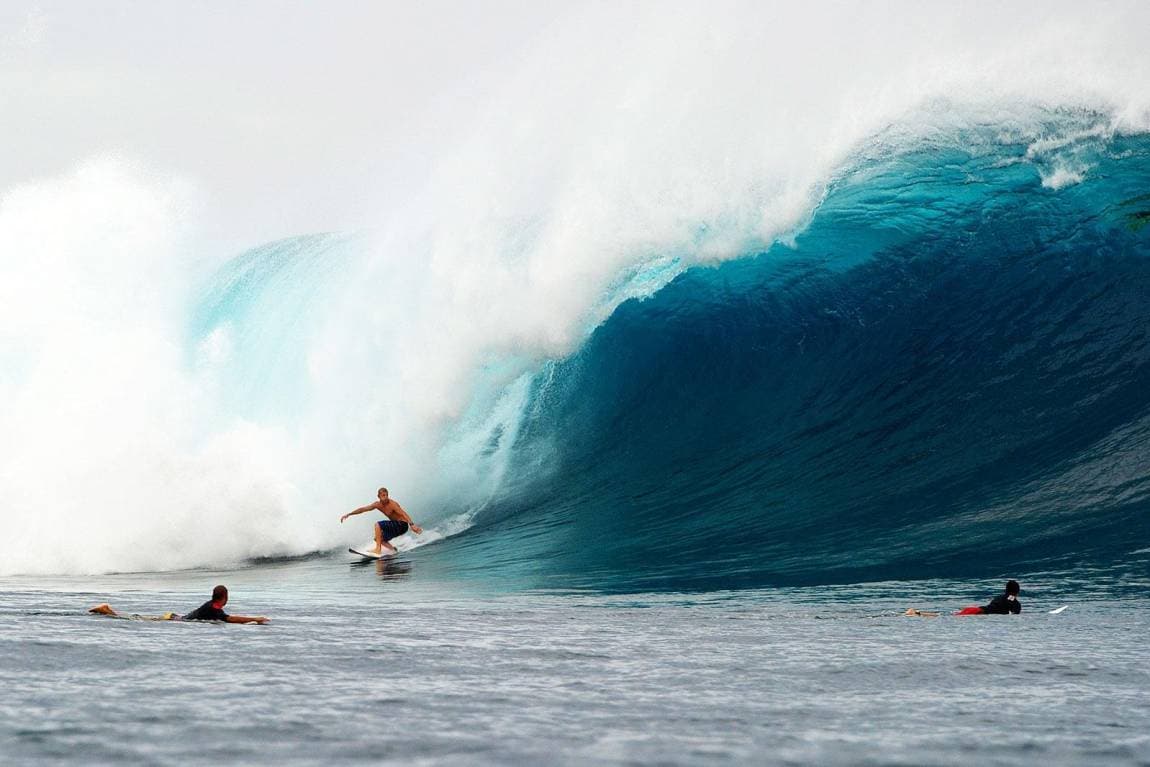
{"x":1058,"y":610}
{"x":369,"y":555}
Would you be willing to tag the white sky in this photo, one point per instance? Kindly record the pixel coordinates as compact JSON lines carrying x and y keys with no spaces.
{"x":295,"y":117}
{"x":290,"y":117}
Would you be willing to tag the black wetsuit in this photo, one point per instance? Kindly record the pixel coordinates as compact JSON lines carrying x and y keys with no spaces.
{"x":207,"y":612}
{"x":1002,"y":605}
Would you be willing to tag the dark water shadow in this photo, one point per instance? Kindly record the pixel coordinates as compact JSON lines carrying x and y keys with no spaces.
{"x":386,"y":569}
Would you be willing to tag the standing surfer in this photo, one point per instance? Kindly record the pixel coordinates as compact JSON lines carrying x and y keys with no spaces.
{"x":397,"y":523}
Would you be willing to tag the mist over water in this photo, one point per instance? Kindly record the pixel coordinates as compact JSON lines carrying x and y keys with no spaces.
{"x":169,"y":402}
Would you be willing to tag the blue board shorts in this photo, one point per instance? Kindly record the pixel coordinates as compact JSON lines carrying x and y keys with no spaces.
{"x":391,"y":529}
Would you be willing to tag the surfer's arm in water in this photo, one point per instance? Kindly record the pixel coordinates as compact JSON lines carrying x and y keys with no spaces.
{"x":245,"y":619}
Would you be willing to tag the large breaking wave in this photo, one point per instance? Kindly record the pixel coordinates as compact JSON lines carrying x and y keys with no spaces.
{"x":947,"y":373}
{"x":688,"y":295}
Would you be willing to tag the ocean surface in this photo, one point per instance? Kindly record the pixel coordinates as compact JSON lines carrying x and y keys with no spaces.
{"x":403,"y":662}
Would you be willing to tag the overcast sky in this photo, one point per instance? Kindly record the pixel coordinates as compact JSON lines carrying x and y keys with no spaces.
{"x":289,"y":117}
{"x":295,"y":117}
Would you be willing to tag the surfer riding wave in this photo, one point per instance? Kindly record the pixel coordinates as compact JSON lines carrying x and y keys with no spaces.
{"x":397,"y":523}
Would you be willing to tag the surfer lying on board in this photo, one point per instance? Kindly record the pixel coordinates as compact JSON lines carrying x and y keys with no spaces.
{"x":212,"y":610}
{"x":1005,"y":603}
{"x":397,"y":523}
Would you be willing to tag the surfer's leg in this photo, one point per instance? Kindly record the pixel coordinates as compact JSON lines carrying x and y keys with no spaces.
{"x":385,"y":530}
{"x":378,"y":538}
{"x":381,"y":543}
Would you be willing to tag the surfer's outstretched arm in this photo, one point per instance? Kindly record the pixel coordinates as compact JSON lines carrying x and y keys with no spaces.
{"x":360,"y":510}
{"x":245,"y":619}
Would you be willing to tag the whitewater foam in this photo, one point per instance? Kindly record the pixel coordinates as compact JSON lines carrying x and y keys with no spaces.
{"x":114,"y":456}
{"x":1062,"y":177}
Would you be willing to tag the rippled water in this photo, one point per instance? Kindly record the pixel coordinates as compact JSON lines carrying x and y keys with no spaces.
{"x":394,"y":663}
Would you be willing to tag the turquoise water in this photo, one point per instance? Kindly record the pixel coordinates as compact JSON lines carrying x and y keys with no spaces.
{"x":943,"y":374}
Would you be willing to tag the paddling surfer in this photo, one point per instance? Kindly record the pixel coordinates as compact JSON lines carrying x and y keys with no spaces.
{"x":212,"y":610}
{"x":1005,"y":603}
{"x":397,"y":523}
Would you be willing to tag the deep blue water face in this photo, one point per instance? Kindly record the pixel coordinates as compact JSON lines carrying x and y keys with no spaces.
{"x":945,"y":376}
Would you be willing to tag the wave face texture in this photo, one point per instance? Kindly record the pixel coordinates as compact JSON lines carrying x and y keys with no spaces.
{"x":947,"y":373}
